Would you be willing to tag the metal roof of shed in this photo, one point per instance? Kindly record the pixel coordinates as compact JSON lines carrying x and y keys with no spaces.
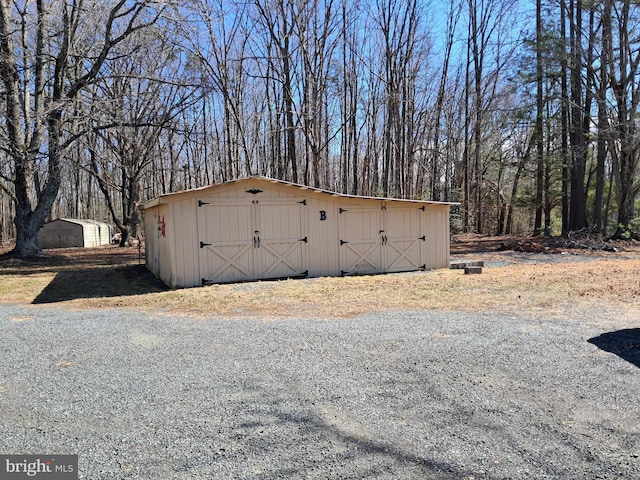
{"x":78,"y":221}
{"x":159,"y":199}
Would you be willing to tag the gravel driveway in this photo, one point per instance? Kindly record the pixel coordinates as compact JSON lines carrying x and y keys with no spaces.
{"x":412,"y":395}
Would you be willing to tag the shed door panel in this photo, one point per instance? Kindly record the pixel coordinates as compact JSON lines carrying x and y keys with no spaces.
{"x":227,"y":229}
{"x":280,"y":230}
{"x":360,"y":241}
{"x":404,"y":238}
{"x":251,"y":239}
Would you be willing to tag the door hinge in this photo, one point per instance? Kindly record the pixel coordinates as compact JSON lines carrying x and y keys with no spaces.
{"x":421,"y":208}
{"x":343,"y":273}
{"x":342,"y":210}
{"x":342,"y":242}
{"x":303,"y":240}
{"x":305,"y":273}
{"x":423,"y":238}
{"x":201,"y":203}
{"x":202,"y":244}
{"x":303,"y":202}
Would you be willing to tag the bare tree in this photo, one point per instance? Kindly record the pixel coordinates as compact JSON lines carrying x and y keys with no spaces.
{"x":539,"y":130}
{"x":490,"y":50}
{"x":603,"y":120}
{"x":315,"y":26}
{"x":48,"y":55}
{"x":577,"y":137}
{"x":437,"y":190}
{"x":131,"y":109}
{"x":405,"y":51}
{"x":219,"y":51}
{"x":279,"y":18}
{"x":623,"y":52}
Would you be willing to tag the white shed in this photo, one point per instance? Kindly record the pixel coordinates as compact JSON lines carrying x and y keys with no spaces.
{"x":68,"y":232}
{"x":105,"y":232}
{"x":259,"y":228}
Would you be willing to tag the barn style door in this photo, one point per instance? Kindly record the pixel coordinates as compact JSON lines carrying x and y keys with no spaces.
{"x":251,"y":239}
{"x":360,"y":240}
{"x":226,"y":241}
{"x":280,"y":239}
{"x":404,"y":238}
{"x":380,"y":240}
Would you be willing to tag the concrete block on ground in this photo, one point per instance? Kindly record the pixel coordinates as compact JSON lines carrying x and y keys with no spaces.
{"x":461,"y":264}
{"x":472,"y":270}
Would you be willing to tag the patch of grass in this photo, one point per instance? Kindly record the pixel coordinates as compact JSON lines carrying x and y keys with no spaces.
{"x":20,"y":288}
{"x":112,"y":278}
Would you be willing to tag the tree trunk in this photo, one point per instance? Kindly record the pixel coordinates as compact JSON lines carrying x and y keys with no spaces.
{"x":598,"y":204}
{"x":564,"y":122}
{"x":289,"y":110}
{"x":537,"y":228}
{"x":577,"y":199}
{"x":524,"y":159}
{"x":477,"y":52}
{"x":436,"y":187}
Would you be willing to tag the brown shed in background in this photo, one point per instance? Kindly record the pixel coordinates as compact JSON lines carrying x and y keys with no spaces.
{"x":259,"y":228}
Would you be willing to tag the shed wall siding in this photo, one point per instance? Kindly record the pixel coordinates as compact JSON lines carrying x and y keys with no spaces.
{"x":59,"y":234}
{"x":151,"y":247}
{"x":185,"y":266}
{"x":64,"y":233}
{"x":438,"y":237}
{"x":158,"y":246}
{"x":323,"y":237}
{"x":91,"y":237}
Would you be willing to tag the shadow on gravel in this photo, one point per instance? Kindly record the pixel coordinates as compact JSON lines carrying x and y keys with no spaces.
{"x":624,"y":343}
{"x":362,"y":456}
{"x":100,"y":282}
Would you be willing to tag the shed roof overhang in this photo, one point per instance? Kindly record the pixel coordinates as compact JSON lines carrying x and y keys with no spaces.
{"x":77,"y":221}
{"x":166,"y":198}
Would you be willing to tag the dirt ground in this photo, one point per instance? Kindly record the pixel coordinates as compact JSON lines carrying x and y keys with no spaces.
{"x":538,"y":276}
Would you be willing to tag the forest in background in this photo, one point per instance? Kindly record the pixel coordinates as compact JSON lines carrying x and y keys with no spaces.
{"x":525,"y":112}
